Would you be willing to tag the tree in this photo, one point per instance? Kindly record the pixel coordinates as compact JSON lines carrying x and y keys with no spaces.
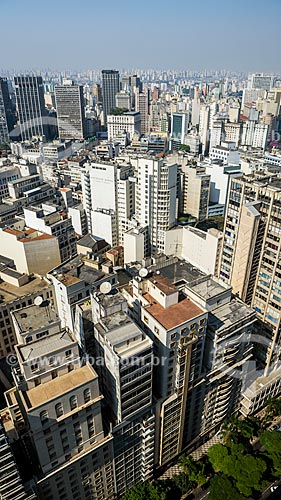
{"x":183,"y":482}
{"x":222,"y":487}
{"x":246,"y":470}
{"x":184,"y":147}
{"x":273,"y":408}
{"x":217,"y":454}
{"x":195,"y":471}
{"x":148,"y":491}
{"x":271,"y":441}
{"x":240,"y":431}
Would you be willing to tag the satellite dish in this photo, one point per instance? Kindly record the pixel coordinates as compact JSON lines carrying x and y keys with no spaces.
{"x":38,"y":300}
{"x":105,"y":287}
{"x":143,"y":272}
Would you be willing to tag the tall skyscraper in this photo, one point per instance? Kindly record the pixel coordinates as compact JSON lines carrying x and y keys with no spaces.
{"x":6,"y":111}
{"x":142,"y":105}
{"x":179,"y":126}
{"x":156,"y":194}
{"x":70,"y":110}
{"x":110,"y":87}
{"x":250,"y":257}
{"x":31,"y":106}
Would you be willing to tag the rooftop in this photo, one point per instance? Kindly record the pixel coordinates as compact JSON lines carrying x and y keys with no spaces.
{"x":9,"y":293}
{"x":172,"y":316}
{"x":163,"y":284}
{"x":76,"y":270}
{"x":208,"y":287}
{"x":59,"y":386}
{"x":182,"y":271}
{"x":228,"y":314}
{"x":45,"y":345}
{"x":35,"y":317}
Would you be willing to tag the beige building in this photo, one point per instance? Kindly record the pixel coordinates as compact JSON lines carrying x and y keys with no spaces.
{"x":14,"y":296}
{"x":57,"y":401}
{"x":31,"y":250}
{"x":196,"y":191}
{"x":251,"y":254}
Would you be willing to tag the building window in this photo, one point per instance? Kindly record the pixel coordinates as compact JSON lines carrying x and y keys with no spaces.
{"x":87,"y":395}
{"x":68,"y":353}
{"x":73,"y":402}
{"x":59,"y":409}
{"x":44,"y":417}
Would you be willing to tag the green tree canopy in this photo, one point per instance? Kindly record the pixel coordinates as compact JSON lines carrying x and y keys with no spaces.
{"x":217,"y":454}
{"x":273,"y":408}
{"x":148,"y":491}
{"x":246,"y":470}
{"x":271,"y":441}
{"x":222,"y":487}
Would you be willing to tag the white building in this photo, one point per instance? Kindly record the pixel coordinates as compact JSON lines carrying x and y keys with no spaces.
{"x":156,"y":193}
{"x":108,"y":198}
{"x":226,"y":153}
{"x":127,"y":122}
{"x":220,"y":178}
{"x":201,"y":249}
{"x":204,"y":127}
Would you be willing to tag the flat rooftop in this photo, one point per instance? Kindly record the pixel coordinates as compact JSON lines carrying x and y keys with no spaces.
{"x":112,"y":321}
{"x":172,"y":316}
{"x":163,"y":284}
{"x":46,"y":345}
{"x":182,"y":271}
{"x":9,"y":293}
{"x":59,"y":386}
{"x":35,"y":317}
{"x":126,"y":338}
{"x":110,"y":299}
{"x":208,"y":287}
{"x":77,"y":270}
{"x":229,"y":314}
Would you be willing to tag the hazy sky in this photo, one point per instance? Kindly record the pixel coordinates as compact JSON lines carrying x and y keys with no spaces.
{"x":179,"y":34}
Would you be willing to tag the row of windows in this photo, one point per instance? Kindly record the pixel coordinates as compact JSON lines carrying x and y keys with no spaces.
{"x":73,"y":402}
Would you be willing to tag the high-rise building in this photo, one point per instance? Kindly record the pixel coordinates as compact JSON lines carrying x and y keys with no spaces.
{"x":6,"y":112}
{"x":142,"y":106}
{"x":110,"y":87}
{"x":260,"y":81}
{"x":156,"y":193}
{"x":70,"y":110}
{"x":59,"y":406}
{"x":179,"y":126}
{"x":204,"y":127}
{"x":123,"y":100}
{"x":126,"y":381}
{"x":109,"y":199}
{"x":250,"y":256}
{"x":31,"y":107}
{"x":11,"y":486}
{"x":196,"y":191}
{"x":129,"y":122}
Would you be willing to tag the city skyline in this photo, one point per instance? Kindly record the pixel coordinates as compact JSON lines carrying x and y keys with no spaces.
{"x":209,"y":36}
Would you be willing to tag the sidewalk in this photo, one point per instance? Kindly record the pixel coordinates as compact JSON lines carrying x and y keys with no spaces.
{"x":196,"y":455}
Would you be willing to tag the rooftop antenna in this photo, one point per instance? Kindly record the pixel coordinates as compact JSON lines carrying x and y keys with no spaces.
{"x":105,"y":287}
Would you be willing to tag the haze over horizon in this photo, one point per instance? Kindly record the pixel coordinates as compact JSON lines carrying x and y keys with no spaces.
{"x":239,"y":36}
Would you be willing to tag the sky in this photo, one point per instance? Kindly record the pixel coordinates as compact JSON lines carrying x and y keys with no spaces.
{"x":239,"y":35}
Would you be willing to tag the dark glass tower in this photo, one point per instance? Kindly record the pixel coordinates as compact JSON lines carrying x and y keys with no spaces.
{"x":110,"y":87}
